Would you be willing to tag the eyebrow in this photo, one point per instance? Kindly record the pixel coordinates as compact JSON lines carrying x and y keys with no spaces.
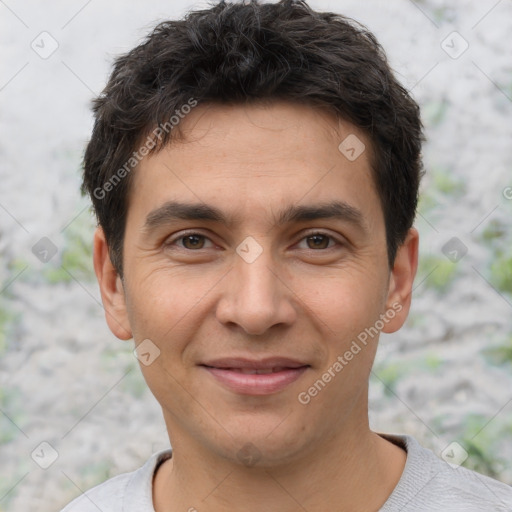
{"x":174,"y":210}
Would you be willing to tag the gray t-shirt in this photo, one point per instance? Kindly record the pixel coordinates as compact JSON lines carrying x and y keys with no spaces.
{"x":427,"y":484}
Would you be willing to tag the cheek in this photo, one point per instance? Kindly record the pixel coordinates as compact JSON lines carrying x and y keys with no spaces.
{"x":164,"y":307}
{"x":346,"y":307}
{"x":163,"y":301}
{"x":343,"y":302}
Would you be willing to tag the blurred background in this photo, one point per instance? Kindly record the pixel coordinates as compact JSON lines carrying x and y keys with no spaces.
{"x":74,"y":409}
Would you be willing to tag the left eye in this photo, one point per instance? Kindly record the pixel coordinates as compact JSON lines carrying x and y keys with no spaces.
{"x":318,"y":241}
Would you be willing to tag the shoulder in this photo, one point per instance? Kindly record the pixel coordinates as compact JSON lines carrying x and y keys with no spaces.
{"x":473,"y":490}
{"x":103,"y":497}
{"x":127,"y":492}
{"x":430,"y":483}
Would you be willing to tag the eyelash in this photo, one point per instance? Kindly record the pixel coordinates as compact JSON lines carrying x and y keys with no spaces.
{"x":312,"y":233}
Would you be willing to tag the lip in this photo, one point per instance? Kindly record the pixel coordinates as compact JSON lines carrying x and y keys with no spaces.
{"x":257,"y":364}
{"x":229,"y":372}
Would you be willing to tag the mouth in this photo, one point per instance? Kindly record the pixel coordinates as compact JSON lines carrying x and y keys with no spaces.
{"x":255,"y":377}
{"x":254,"y":371}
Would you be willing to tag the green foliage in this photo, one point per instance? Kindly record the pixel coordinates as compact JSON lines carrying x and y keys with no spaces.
{"x":95,"y":473}
{"x":495,"y":230}
{"x":414,"y":320}
{"x":389,"y":374}
{"x":16,"y":265}
{"x":6,"y":319}
{"x":432,"y":361}
{"x":434,"y":112}
{"x":442,"y":15}
{"x":76,"y":256}
{"x":500,"y":354}
{"x":437,"y":272}
{"x":426,"y":202}
{"x":121,"y":355}
{"x":501,"y":272}
{"x":9,"y":403}
{"x":444,"y":182}
{"x":73,"y":260}
{"x":57,"y":275}
{"x":441,"y":185}
{"x":481,"y":439}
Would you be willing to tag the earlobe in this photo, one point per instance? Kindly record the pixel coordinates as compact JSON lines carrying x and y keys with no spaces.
{"x":111,"y":288}
{"x":401,"y":281}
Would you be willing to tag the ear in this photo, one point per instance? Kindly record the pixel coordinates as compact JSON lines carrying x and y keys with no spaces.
{"x":401,"y":281}
{"x":111,"y":288}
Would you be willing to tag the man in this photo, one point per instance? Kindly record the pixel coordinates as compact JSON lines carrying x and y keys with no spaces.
{"x":254,"y":169}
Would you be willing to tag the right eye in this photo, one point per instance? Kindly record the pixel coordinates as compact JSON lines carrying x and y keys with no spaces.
{"x":190,"y":240}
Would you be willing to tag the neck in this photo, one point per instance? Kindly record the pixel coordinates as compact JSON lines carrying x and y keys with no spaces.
{"x":355,"y":471}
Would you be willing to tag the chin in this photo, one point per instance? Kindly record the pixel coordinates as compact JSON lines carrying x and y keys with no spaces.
{"x":267,"y":446}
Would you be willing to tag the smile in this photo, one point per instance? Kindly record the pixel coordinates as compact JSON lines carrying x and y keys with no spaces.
{"x":256,"y":381}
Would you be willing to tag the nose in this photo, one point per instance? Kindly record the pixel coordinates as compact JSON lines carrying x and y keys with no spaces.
{"x":256,"y":296}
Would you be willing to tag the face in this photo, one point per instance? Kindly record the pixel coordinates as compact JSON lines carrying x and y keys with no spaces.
{"x":256,"y":245}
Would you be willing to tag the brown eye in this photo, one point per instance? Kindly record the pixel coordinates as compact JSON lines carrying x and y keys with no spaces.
{"x":190,"y":241}
{"x":193,"y":241}
{"x":318,"y":241}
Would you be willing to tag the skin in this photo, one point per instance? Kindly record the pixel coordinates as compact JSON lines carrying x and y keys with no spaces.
{"x":297,"y":299}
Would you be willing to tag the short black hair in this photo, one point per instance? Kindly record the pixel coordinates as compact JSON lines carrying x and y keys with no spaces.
{"x":245,"y":52}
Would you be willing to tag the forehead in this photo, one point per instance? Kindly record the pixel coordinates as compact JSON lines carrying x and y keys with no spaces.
{"x":266,"y":130}
{"x":249,"y":159}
